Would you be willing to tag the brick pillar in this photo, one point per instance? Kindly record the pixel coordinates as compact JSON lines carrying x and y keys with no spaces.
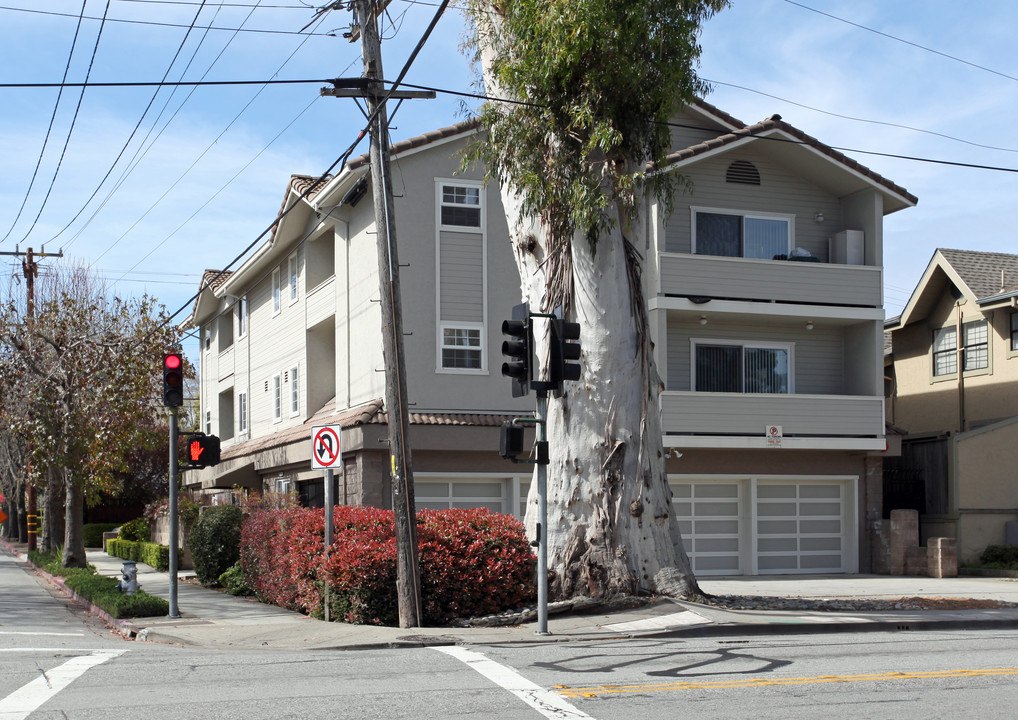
{"x":942,"y":556}
{"x":904,"y":535}
{"x":873,"y":551}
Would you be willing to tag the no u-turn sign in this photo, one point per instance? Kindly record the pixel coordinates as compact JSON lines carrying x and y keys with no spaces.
{"x":326,"y":447}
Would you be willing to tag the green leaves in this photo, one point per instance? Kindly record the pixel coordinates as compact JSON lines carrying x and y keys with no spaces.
{"x":599,"y":79}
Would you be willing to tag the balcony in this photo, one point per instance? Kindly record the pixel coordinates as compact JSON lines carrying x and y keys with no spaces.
{"x":783,"y":281}
{"x":804,"y":419}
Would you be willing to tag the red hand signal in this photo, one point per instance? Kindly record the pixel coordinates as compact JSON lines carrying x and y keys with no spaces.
{"x":196,"y":450}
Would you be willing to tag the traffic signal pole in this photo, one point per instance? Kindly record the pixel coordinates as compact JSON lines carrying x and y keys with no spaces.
{"x":542,"y":518}
{"x":174,"y":612}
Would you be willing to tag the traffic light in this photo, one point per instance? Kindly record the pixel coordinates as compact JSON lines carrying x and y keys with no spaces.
{"x":516,"y":349}
{"x":565,"y":350}
{"x":173,"y":380}
{"x":510,"y":442}
{"x":202,"y":450}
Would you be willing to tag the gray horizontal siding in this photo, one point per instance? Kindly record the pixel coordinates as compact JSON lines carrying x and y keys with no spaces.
{"x":780,"y":191}
{"x":782,"y":281}
{"x":818,"y":355}
{"x":462,"y":278}
{"x":749,"y":415}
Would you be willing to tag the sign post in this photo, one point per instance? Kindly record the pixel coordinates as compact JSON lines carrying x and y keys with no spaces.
{"x":326,"y":451}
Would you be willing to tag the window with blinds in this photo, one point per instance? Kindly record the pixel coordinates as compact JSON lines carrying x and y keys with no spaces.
{"x":742,"y":368}
{"x":741,"y":235}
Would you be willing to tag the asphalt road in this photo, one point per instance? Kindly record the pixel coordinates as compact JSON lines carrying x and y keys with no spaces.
{"x":58,"y":662}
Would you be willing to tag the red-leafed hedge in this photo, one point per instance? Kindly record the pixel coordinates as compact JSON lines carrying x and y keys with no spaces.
{"x":472,"y":562}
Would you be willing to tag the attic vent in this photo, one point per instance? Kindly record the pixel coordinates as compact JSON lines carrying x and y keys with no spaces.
{"x":744,"y":172}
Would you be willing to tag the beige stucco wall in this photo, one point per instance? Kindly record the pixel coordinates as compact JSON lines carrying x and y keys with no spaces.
{"x":926,"y":404}
{"x":986,"y":463}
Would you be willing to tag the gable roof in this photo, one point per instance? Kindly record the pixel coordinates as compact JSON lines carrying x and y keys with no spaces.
{"x":985,"y":274}
{"x":981,"y":277}
{"x":778,"y":130}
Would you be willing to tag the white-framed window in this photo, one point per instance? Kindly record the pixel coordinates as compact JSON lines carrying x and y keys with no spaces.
{"x":729,"y":233}
{"x":208,"y":422}
{"x":294,"y":378}
{"x":460,"y":206}
{"x":975,"y":348}
{"x":292,"y":267}
{"x":277,"y":397}
{"x":277,"y":304}
{"x":742,"y":367}
{"x":1014,"y":332}
{"x":207,"y":333}
{"x":461,"y":347}
{"x":242,"y":316}
{"x":241,"y":413}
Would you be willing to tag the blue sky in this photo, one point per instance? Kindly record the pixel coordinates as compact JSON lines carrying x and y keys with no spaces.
{"x":202,"y":176}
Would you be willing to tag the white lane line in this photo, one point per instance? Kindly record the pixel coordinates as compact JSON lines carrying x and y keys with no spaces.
{"x":23,"y":702}
{"x":550,"y":704}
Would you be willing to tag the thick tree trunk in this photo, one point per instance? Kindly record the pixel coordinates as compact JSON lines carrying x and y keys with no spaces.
{"x":74,"y":518}
{"x":53,"y":516}
{"x":612,"y":528}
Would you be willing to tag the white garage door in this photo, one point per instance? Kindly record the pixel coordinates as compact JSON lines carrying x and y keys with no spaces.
{"x":766,"y":526}
{"x":800,"y":528}
{"x":708,"y":515}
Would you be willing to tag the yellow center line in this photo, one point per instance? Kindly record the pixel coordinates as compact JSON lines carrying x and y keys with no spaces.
{"x":774,"y":681}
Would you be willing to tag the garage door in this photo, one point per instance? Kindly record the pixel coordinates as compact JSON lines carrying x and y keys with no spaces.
{"x":708,"y":515}
{"x":766,"y":526}
{"x":800,"y":528}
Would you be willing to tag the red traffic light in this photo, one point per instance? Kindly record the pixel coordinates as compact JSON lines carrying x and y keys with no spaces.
{"x":173,"y":380}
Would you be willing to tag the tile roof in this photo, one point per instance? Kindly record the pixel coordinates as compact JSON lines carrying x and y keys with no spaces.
{"x":215,"y":279}
{"x":420,"y":140}
{"x":776,"y":123}
{"x":985,"y":273}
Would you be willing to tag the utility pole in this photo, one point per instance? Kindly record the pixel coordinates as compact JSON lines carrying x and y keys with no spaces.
{"x":30,"y":268}
{"x":408,"y":584}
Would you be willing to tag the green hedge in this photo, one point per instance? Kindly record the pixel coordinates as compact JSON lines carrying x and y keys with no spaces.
{"x":101,"y":591}
{"x":94,"y":533}
{"x":158,"y":556}
{"x":215,"y":542}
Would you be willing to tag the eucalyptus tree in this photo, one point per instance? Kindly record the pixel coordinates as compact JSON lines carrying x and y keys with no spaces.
{"x":91,"y":365}
{"x":580,"y":93}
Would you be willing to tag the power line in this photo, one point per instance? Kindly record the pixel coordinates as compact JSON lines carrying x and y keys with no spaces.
{"x":70,"y":130}
{"x":52,"y":119}
{"x":163,"y":24}
{"x":136,"y":160}
{"x":905,"y":42}
{"x":481,"y":96}
{"x":863,"y":120}
{"x":144,"y":113}
{"x":205,"y":151}
{"x":340,"y":160}
{"x":165,"y":83}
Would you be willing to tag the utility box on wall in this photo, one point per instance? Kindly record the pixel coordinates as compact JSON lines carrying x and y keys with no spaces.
{"x":847,"y":247}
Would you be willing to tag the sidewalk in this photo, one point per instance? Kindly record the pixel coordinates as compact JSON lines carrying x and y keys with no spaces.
{"x":210,"y":618}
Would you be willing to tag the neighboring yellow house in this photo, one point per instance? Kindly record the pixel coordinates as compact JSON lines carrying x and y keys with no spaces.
{"x":960,"y":454}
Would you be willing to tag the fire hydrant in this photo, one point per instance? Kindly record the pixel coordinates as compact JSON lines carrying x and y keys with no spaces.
{"x":129,"y":584}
